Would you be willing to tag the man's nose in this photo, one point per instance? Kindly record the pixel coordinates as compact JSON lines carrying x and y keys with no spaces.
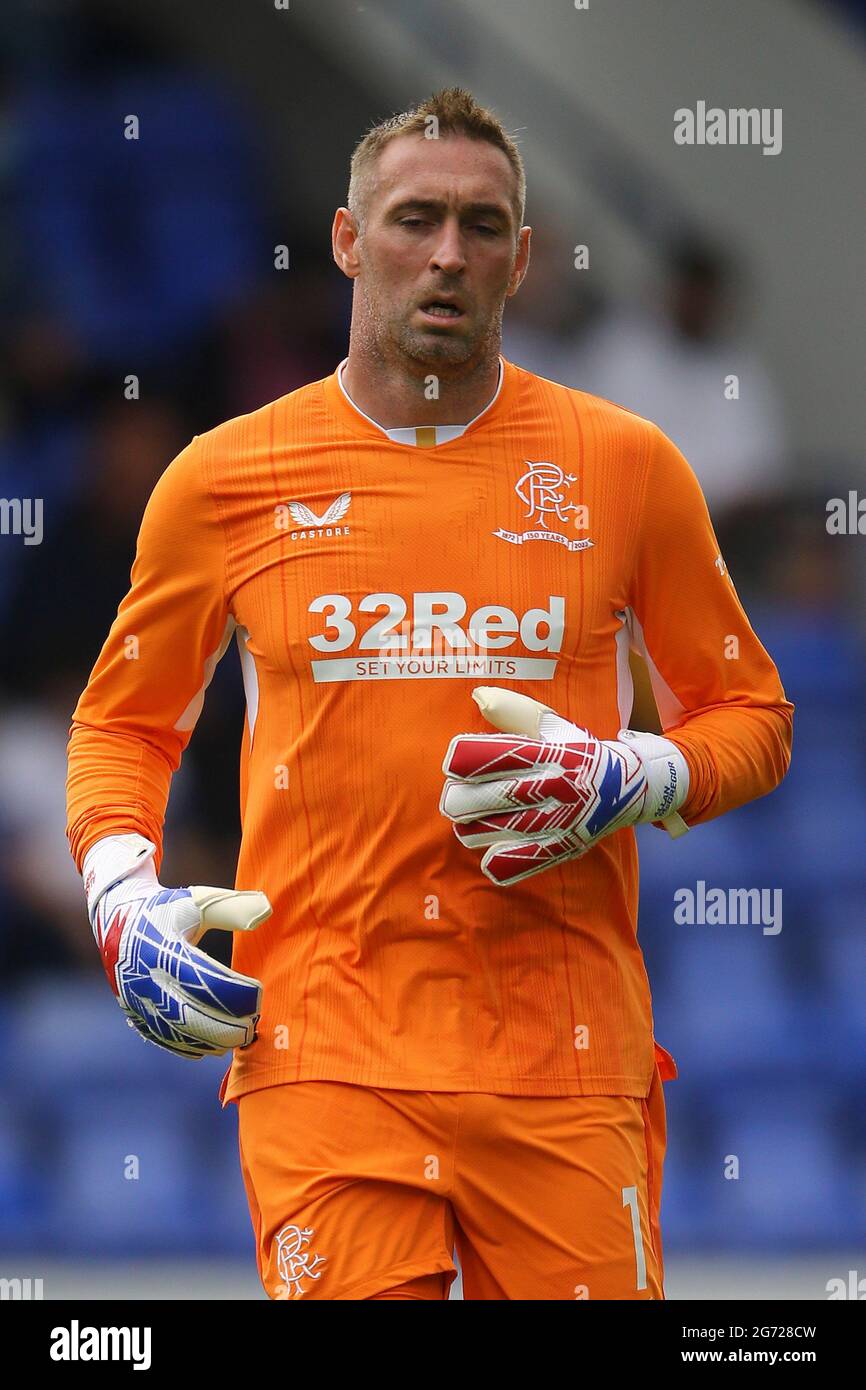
{"x":448,"y":253}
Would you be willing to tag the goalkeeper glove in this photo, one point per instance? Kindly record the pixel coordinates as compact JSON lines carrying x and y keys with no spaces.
{"x":172,"y":993}
{"x":551,"y":792}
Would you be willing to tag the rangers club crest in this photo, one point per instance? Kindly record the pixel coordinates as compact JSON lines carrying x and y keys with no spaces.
{"x":543,"y":491}
{"x":295,"y":1262}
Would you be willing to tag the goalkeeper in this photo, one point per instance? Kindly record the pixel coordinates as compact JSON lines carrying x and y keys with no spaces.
{"x":438,"y":1015}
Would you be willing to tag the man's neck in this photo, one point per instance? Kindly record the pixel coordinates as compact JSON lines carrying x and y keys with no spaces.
{"x":397,"y":399}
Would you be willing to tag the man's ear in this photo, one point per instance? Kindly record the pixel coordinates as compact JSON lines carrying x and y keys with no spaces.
{"x":521,"y":260}
{"x":344,"y":243}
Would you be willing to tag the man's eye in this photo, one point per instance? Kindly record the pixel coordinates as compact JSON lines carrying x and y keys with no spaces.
{"x":412,"y":222}
{"x":488,"y":231}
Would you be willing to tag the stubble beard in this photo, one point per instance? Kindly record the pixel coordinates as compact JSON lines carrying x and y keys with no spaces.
{"x":395,"y":343}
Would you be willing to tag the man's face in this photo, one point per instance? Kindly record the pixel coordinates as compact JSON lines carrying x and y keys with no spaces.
{"x":439,"y":252}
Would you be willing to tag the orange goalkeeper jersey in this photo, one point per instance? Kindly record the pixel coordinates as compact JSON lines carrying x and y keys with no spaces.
{"x":370,"y":584}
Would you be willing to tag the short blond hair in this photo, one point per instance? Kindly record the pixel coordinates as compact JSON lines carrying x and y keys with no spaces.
{"x":456,"y":112}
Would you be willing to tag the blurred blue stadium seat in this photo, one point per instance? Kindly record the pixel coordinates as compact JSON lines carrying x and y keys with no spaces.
{"x":795,"y":1188}
{"x":182,"y":204}
{"x":62,"y":1185}
{"x":125,"y":1180}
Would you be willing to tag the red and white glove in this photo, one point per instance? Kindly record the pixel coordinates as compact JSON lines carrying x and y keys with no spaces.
{"x":544,"y":790}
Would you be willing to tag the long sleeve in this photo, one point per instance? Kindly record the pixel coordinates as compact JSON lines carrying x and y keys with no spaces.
{"x":718,"y":692}
{"x":145,"y":693}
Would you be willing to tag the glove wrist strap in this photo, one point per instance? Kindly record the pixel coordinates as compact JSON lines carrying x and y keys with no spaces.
{"x":667,"y":776}
{"x":110,"y":861}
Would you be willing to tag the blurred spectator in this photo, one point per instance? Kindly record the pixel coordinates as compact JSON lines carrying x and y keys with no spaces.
{"x":62,"y":601}
{"x":67,"y":589}
{"x":285,"y":335}
{"x":546,"y":318}
{"x":61,"y":607}
{"x":673,"y":368}
{"x":782,"y":557}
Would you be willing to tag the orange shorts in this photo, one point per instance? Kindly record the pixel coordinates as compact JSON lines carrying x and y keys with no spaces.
{"x":358,"y":1192}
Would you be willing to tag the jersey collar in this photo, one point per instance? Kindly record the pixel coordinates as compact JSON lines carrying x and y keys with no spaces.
{"x":416,"y":436}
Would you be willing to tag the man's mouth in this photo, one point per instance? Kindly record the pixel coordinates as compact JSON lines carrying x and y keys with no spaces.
{"x":442,"y":309}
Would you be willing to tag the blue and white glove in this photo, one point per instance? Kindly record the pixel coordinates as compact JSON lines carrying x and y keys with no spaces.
{"x":544,"y":790}
{"x":172,"y":993}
